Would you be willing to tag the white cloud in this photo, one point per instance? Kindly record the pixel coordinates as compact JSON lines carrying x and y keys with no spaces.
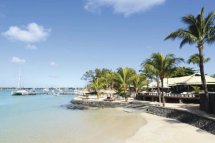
{"x":125,"y":7}
{"x":53,"y":64}
{"x":30,"y":34}
{"x":17,"y":60}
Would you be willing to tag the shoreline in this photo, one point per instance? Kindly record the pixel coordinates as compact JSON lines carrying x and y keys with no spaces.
{"x":183,"y":116}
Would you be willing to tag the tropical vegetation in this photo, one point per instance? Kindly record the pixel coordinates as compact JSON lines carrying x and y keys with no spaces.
{"x":194,"y":59}
{"x":124,"y":77}
{"x":196,"y":89}
{"x":97,"y":85}
{"x":161,"y":66}
{"x":200,"y":30}
{"x":182,"y":71}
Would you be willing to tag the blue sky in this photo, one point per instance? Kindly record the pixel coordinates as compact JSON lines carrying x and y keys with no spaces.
{"x":56,"y":41}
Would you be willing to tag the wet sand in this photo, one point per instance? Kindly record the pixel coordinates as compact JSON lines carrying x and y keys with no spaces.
{"x":112,"y":125}
{"x":68,"y":126}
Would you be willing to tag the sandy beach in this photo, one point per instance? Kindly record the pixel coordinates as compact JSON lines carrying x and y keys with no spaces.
{"x":156,"y":129}
{"x":164,"y":130}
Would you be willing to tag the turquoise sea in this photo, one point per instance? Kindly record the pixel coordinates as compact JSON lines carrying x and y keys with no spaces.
{"x":45,"y":119}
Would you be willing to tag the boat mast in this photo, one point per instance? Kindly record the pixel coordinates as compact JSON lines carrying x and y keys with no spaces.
{"x":19,"y":79}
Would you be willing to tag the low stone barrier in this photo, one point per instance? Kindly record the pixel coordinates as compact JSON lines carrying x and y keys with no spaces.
{"x":100,"y":104}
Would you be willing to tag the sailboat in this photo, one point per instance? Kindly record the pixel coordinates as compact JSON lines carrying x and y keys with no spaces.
{"x":20,"y":91}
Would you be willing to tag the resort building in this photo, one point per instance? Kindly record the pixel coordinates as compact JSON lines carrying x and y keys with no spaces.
{"x":186,"y":83}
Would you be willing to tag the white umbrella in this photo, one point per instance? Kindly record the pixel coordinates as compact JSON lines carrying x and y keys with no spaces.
{"x":102,"y":91}
{"x":108,"y":91}
{"x":84,"y":91}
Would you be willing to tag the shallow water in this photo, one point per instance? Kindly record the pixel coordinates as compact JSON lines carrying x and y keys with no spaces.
{"x":42,"y":119}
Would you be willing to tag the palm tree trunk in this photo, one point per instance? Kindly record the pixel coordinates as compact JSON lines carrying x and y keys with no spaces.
{"x":126,"y":98}
{"x":125,"y":89}
{"x":147,"y":85}
{"x":204,"y":84}
{"x":163,"y":100}
{"x":112,"y":85}
{"x":158,"y":89}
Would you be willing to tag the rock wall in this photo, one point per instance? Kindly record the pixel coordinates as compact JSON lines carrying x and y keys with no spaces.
{"x":185,"y":117}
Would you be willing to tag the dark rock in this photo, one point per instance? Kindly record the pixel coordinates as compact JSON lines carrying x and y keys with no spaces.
{"x":77,"y":107}
{"x":99,"y":104}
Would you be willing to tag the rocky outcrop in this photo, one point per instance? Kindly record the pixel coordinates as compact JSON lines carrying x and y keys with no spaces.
{"x":77,"y":107}
{"x":99,"y":104}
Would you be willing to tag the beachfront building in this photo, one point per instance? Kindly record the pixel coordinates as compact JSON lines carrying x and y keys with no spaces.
{"x":179,"y":89}
{"x":186,"y":83}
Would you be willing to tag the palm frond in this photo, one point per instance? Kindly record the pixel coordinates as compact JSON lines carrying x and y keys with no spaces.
{"x":184,"y":41}
{"x":183,"y":34}
{"x":192,"y":24}
{"x":210,"y":18}
{"x":199,"y":29}
{"x":194,"y":59}
{"x":211,"y":35}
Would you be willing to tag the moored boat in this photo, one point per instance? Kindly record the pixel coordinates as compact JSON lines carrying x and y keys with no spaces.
{"x":20,"y":92}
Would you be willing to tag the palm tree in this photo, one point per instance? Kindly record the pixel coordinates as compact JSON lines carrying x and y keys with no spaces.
{"x":138,"y":81}
{"x":200,"y":30}
{"x":97,"y":85}
{"x":194,"y":59}
{"x":152,"y":73}
{"x":182,"y":71}
{"x":163,"y":65}
{"x":124,"y":78}
{"x":109,"y":78}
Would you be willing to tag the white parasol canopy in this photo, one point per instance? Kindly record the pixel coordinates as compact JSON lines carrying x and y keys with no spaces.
{"x":84,"y":91}
{"x":108,"y":91}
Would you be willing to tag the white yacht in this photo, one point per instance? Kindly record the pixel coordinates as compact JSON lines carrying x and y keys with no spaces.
{"x":20,"y":92}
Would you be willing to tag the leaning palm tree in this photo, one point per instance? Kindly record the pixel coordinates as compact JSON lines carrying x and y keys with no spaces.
{"x":109,"y":78}
{"x":97,"y":85}
{"x":123,"y":79}
{"x":152,"y":73}
{"x":163,"y":65}
{"x":138,"y":82}
{"x":194,"y":59}
{"x":200,"y":30}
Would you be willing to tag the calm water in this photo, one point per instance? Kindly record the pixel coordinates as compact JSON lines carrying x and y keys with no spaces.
{"x":42,"y":119}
